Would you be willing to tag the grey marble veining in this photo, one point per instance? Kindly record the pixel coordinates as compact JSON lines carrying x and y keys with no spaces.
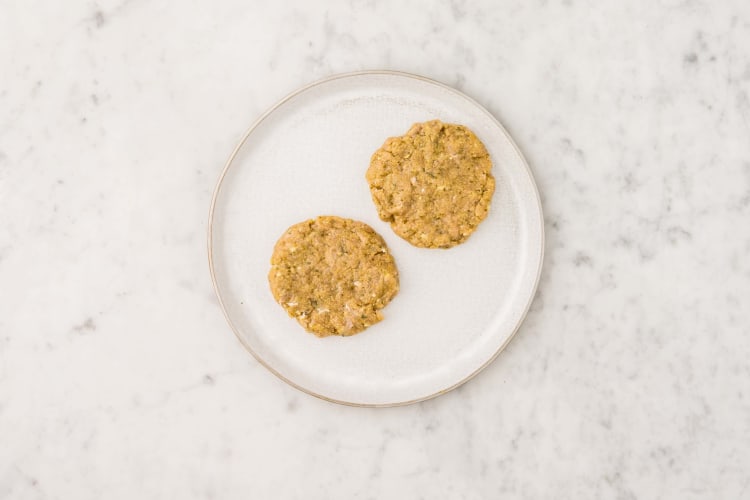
{"x":119,"y":377}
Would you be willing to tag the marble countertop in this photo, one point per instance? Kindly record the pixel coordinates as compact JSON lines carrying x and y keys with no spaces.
{"x":119,"y":377}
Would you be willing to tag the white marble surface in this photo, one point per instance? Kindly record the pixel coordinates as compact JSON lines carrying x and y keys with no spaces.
{"x":119,"y":377}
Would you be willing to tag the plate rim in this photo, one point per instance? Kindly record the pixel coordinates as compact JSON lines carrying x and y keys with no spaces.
{"x":241,"y":143}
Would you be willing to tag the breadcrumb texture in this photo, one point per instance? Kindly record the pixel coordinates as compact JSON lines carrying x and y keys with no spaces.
{"x":433,"y":184}
{"x":333,"y":275}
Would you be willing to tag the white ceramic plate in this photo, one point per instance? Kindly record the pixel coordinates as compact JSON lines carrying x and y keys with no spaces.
{"x":456,"y":309}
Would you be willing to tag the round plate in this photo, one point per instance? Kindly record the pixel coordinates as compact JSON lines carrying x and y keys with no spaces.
{"x":456,"y":309}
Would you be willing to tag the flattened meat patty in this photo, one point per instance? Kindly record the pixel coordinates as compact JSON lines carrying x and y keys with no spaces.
{"x":333,"y":275}
{"x":433,"y":184}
